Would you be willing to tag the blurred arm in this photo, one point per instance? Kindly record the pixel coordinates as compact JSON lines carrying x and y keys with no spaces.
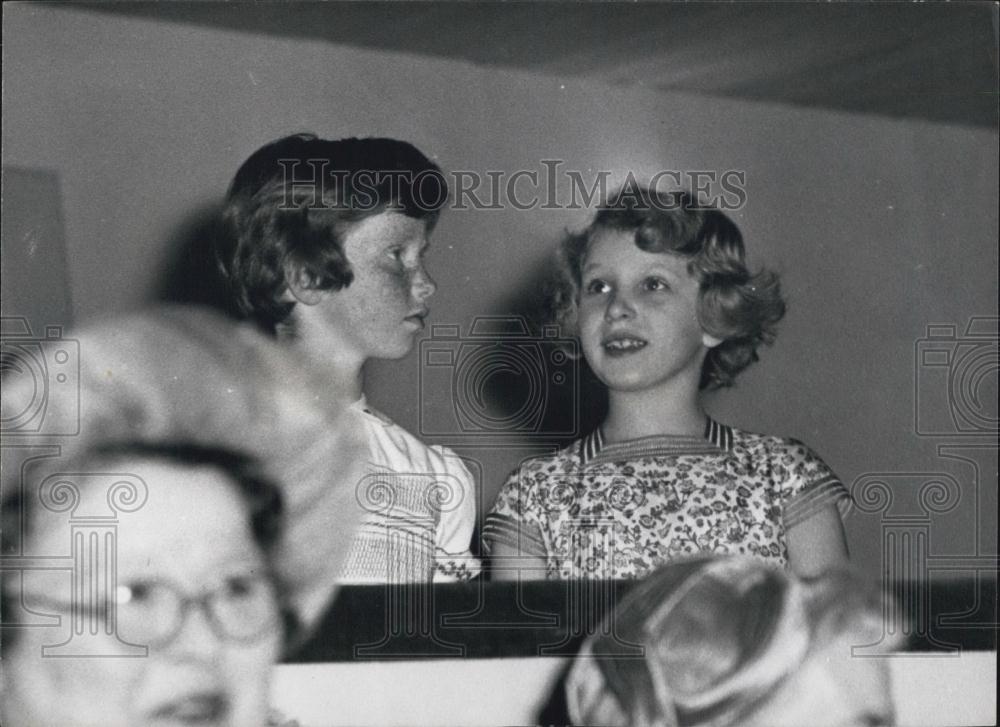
{"x":510,"y":564}
{"x":817,"y":543}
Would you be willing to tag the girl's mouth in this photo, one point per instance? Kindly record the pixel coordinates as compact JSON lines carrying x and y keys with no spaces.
{"x":622,"y":345}
{"x":417,"y":318}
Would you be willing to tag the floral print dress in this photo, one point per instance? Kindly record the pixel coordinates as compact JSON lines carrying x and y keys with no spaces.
{"x":597,"y":510}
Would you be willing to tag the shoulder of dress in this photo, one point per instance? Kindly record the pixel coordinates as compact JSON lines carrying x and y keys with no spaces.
{"x":785,"y":445}
{"x":756,"y":451}
{"x":446,"y":455}
{"x":394,"y":447}
{"x":568,"y":456}
{"x":374,"y":415}
{"x":756,"y":440}
{"x":776,"y":449}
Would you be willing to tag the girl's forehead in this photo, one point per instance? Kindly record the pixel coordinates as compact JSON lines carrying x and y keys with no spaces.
{"x":617,"y":249}
{"x":387,"y":228}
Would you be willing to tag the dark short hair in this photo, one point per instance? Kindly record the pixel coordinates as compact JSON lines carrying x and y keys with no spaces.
{"x":740,"y":308}
{"x":292,"y":202}
{"x":262,"y":498}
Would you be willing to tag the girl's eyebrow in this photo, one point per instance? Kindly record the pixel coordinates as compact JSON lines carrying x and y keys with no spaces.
{"x":654,"y":269}
{"x":661,"y":270}
{"x":410,"y":241}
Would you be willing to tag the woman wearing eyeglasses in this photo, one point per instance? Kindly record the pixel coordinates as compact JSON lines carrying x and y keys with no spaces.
{"x":169,"y":610}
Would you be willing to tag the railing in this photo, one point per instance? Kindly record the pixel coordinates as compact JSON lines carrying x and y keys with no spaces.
{"x":540,"y":618}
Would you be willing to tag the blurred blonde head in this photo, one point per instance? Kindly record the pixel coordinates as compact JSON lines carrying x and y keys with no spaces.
{"x":732,"y":641}
{"x":186,"y":374}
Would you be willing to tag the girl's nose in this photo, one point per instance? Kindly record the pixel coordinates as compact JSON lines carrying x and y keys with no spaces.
{"x":619,"y":307}
{"x":423,"y":284}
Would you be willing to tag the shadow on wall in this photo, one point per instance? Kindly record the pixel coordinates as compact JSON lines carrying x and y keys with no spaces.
{"x":517,"y":373}
{"x":191,"y":276}
{"x":34,"y":277}
{"x":548,"y":390}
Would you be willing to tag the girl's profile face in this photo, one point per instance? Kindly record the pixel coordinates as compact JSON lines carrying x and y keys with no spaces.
{"x":379,"y":314}
{"x":638,"y":316}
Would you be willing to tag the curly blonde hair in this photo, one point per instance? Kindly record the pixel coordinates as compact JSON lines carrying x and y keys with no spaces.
{"x":738,"y":307}
{"x":707,"y":641}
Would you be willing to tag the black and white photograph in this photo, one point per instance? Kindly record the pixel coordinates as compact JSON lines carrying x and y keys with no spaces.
{"x":499,"y":363}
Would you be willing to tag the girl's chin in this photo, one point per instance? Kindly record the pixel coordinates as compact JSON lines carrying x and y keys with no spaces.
{"x":396,"y":348}
{"x":639,"y":382}
{"x":625,"y":383}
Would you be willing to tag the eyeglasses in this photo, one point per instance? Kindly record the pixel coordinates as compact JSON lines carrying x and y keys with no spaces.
{"x":152,"y":612}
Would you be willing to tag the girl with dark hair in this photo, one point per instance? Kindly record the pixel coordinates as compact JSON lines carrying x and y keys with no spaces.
{"x":658,"y":291}
{"x":323,"y":245}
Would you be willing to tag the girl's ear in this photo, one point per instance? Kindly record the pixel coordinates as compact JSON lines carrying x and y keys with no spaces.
{"x":709,"y":340}
{"x":300,"y":289}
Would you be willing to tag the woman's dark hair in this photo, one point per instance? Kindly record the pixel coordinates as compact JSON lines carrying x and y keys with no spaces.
{"x":262,"y":498}
{"x":740,"y":308}
{"x":292,"y":202}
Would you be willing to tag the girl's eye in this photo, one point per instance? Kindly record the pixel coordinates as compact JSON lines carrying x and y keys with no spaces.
{"x":596,"y":287}
{"x":406,"y":258}
{"x":653,"y":284}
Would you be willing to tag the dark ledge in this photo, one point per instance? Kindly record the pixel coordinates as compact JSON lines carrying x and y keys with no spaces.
{"x":490,"y":620}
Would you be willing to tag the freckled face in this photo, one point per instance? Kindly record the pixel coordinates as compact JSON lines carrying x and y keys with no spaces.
{"x":379,"y":314}
{"x":638,"y":315}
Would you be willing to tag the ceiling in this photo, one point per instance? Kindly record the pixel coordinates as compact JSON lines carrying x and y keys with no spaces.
{"x":935,"y":61}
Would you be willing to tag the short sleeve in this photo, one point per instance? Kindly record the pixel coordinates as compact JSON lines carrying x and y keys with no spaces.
{"x":512,"y":520}
{"x":809,"y":485}
{"x":454,"y":560}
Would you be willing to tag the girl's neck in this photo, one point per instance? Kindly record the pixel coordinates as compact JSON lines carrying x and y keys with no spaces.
{"x":329,"y":364}
{"x":632,"y":415}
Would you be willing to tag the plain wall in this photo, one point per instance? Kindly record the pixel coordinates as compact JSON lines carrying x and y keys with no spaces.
{"x":515,"y":691}
{"x":879,"y":227}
